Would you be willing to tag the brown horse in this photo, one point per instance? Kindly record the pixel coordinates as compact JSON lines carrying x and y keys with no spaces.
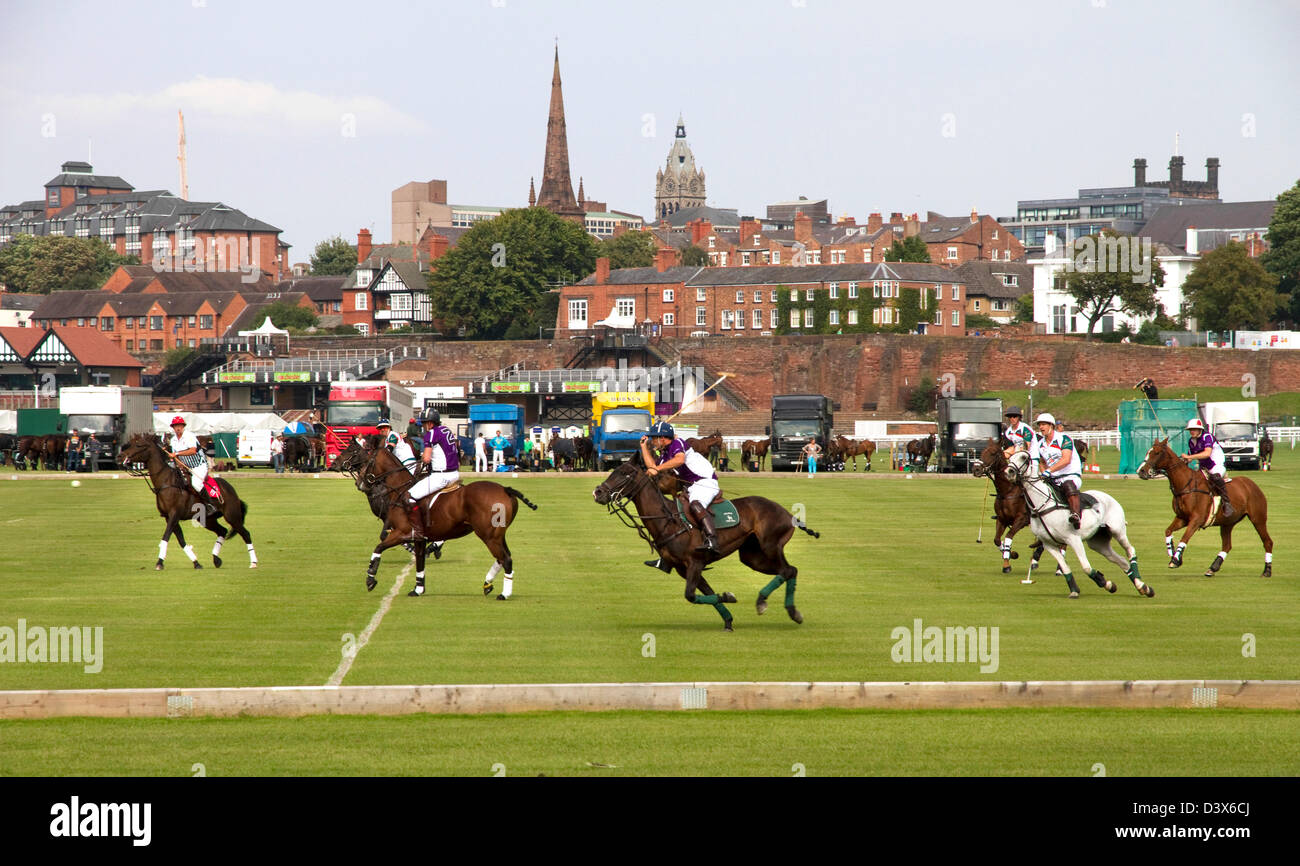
{"x":1266,"y":451}
{"x":177,"y":501}
{"x":754,"y":449}
{"x":1009,"y":505}
{"x":710,"y":446}
{"x":484,"y":508}
{"x":919,"y":450}
{"x":1192,"y":503}
{"x":761,"y":536}
{"x":851,"y":448}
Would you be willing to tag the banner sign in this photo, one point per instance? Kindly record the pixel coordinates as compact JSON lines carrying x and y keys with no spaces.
{"x":293,"y":376}
{"x":236,"y":377}
{"x":570,"y":387}
{"x":511,"y":387}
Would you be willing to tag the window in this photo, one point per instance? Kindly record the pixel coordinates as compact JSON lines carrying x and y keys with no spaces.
{"x":794,"y":297}
{"x":625,"y":306}
{"x":794,"y":318}
{"x":81,"y":323}
{"x":668,"y":296}
{"x":758,"y":320}
{"x":775,"y":320}
{"x":205,"y":322}
{"x":767,"y":257}
{"x":191,"y":344}
{"x":155,"y":345}
{"x":808,"y":317}
{"x":853,"y":291}
{"x":363,"y":328}
{"x":995,"y":234}
{"x":956,"y":293}
{"x":669,"y":319}
{"x":938,"y":317}
{"x":835,"y":317}
{"x":140,"y":322}
{"x":866,"y":256}
{"x":740,"y":296}
{"x":155,"y":323}
{"x":834,"y":289}
{"x":740,"y":320}
{"x":999,"y":305}
{"x":189,"y":321}
{"x":744,"y":259}
{"x":758,"y":296}
{"x":808,"y":294}
{"x":776,"y":257}
{"x":774,"y":296}
{"x":128,"y":322}
{"x":361,"y":301}
{"x":1010,"y":280}
{"x":130,"y":345}
{"x":699,"y":294}
{"x":925,"y":298}
{"x":977,"y":305}
{"x":875,"y":289}
{"x":701,"y":316}
{"x":578,"y":313}
{"x":952,"y":252}
{"x":363,"y":280}
{"x":723,"y":260}
{"x":875,"y":316}
{"x":712,"y":239}
{"x":401,"y":302}
{"x":727,"y":317}
{"x":816,"y":257}
{"x":106,"y":323}
{"x":853,"y":317}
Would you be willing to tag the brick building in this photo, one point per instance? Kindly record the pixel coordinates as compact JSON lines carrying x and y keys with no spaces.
{"x":155,"y":225}
{"x":676,"y":301}
{"x":388,"y":288}
{"x":58,"y":357}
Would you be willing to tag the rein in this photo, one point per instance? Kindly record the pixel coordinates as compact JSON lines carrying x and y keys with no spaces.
{"x":1027,"y":483}
{"x":618,"y":506}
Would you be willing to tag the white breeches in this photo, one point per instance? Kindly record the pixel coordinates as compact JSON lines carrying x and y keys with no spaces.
{"x":197,"y":476}
{"x":432,"y":484}
{"x":703,"y":491}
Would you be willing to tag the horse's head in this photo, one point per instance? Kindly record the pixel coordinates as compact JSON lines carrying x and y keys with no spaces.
{"x":990,"y":461}
{"x":1159,"y":460}
{"x":137,"y":450}
{"x":1020,"y":467}
{"x":621,"y":483}
{"x":353,"y":457}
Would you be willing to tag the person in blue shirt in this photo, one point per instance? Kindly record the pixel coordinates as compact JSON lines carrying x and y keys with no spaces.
{"x":499,"y":445}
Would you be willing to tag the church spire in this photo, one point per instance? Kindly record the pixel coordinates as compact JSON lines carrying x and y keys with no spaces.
{"x":532,"y":195}
{"x":582,"y":196}
{"x":556,"y":194}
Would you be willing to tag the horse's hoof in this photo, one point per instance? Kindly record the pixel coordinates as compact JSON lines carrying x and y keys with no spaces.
{"x":1006,"y":569}
{"x":503,"y":597}
{"x":726,"y":598}
{"x":1175,"y":563}
{"x":795,"y":615}
{"x":1015,"y":555}
{"x":1074,"y":593}
{"x":197,"y":565}
{"x":437,"y":550}
{"x":1268,"y":571}
{"x":1111,"y":587}
{"x":726,"y":626}
{"x":158,"y":566}
{"x":371,"y":583}
{"x":1148,"y":591}
{"x":216,"y":562}
{"x":252,"y":565}
{"x":488,"y":587}
{"x":416,"y":593}
{"x":761,"y":605}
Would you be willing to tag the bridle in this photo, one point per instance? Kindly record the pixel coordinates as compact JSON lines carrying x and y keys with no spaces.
{"x":1188,"y":488}
{"x":619,"y":500}
{"x":1024,"y":481}
{"x":140,"y":469}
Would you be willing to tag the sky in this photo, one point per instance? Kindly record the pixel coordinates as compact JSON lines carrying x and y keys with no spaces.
{"x":309,"y":115}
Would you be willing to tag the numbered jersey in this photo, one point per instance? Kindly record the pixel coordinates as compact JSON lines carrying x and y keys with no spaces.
{"x":401,"y":450}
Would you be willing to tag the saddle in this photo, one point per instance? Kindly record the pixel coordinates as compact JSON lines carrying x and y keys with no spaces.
{"x":1086,"y":500}
{"x":724,"y":512}
{"x":212,"y":488}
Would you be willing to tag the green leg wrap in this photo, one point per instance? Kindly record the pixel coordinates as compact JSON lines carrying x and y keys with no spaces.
{"x":723,"y":612}
{"x":789,"y":592}
{"x":770,"y":588}
{"x":705,"y":599}
{"x":1133,"y":568}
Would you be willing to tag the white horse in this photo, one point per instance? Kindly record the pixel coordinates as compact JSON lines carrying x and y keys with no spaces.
{"x":1101,"y":522}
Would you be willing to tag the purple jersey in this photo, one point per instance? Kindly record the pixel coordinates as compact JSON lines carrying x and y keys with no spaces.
{"x":686,"y":472}
{"x":444,"y":445}
{"x":1197,"y":444}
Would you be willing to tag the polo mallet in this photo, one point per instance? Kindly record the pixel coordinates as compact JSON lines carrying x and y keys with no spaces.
{"x":979,"y":537}
{"x":698,"y":396}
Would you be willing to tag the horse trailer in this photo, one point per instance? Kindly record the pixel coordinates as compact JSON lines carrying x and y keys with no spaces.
{"x":965,"y":426}
{"x":796,"y":418}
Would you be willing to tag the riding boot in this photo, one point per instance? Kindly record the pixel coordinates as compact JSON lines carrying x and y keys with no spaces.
{"x":417,"y":519}
{"x":1075,"y":512}
{"x":1221,"y":488}
{"x":704,"y":519}
{"x":659,"y":564}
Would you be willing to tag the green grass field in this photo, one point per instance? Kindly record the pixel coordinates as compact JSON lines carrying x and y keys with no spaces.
{"x":893,"y":550}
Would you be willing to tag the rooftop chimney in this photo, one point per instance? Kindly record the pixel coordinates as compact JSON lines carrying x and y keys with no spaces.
{"x":874,"y":222}
{"x":1175,"y":172}
{"x":802,"y":227}
{"x":1212,"y":173}
{"x":912,"y":226}
{"x":363,"y":245}
{"x":602,"y":270}
{"x":700,"y":229}
{"x":750,"y":227}
{"x":1139,"y":172}
{"x":896,"y":217}
{"x":436,"y":247}
{"x":1193,"y":243}
{"x":665,"y":258}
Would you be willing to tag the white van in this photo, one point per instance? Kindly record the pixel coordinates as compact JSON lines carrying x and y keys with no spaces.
{"x":255,"y":447}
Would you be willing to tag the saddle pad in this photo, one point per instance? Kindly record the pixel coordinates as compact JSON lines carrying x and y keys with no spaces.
{"x":1087,"y":500}
{"x":212,"y":488}
{"x":724,"y":514}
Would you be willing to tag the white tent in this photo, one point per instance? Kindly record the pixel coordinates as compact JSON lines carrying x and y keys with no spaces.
{"x":266,"y":329}
{"x":613,"y":320}
{"x":8,"y":420}
{"x":207,"y":423}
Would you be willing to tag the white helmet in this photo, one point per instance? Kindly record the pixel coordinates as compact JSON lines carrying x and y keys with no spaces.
{"x":1195,"y":424}
{"x":1046,"y":416}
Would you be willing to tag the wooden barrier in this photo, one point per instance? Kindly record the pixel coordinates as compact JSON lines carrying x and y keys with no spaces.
{"x":471,"y":699}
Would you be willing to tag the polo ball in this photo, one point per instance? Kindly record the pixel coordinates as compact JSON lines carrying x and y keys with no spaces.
{"x":76,"y":484}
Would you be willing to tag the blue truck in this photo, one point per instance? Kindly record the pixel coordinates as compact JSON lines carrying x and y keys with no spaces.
{"x":488,"y":418}
{"x":620,"y":419}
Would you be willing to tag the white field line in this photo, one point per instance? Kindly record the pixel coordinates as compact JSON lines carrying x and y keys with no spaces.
{"x":346,"y":665}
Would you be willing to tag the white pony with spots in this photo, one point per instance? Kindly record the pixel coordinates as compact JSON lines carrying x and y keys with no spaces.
{"x":1101,"y":522}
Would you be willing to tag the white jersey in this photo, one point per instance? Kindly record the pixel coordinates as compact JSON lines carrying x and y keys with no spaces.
{"x":184,"y":442}
{"x":480,"y":446}
{"x":1052,"y":451}
{"x":402,"y":450}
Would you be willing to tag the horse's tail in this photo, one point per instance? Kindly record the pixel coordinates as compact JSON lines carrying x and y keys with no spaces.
{"x":515,"y":494}
{"x":799,"y":524}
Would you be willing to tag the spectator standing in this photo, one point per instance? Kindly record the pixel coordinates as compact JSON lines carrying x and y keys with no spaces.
{"x":480,"y":454}
{"x":277,"y":453}
{"x":74,"y":452}
{"x":93,"y":448}
{"x":812,"y":450}
{"x":499,"y":444}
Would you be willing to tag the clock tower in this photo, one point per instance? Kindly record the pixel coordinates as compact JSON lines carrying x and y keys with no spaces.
{"x":679,"y":184}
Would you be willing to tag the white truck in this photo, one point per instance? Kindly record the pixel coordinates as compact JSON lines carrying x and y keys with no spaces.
{"x":255,"y":447}
{"x":114,"y":413}
{"x":1236,"y":428}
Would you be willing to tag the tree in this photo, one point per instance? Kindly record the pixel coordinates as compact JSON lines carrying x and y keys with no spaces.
{"x":286,"y":315}
{"x":1025,"y":308}
{"x":1113,"y":273}
{"x":911,"y":249}
{"x":1230,"y":291}
{"x":630,"y":250}
{"x":501,"y":271}
{"x":333,"y":257}
{"x":694,"y":256}
{"x":52,"y":263}
{"x":1283,"y":257}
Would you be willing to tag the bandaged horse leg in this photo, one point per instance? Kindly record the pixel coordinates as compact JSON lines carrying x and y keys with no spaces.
{"x":489,"y":581}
